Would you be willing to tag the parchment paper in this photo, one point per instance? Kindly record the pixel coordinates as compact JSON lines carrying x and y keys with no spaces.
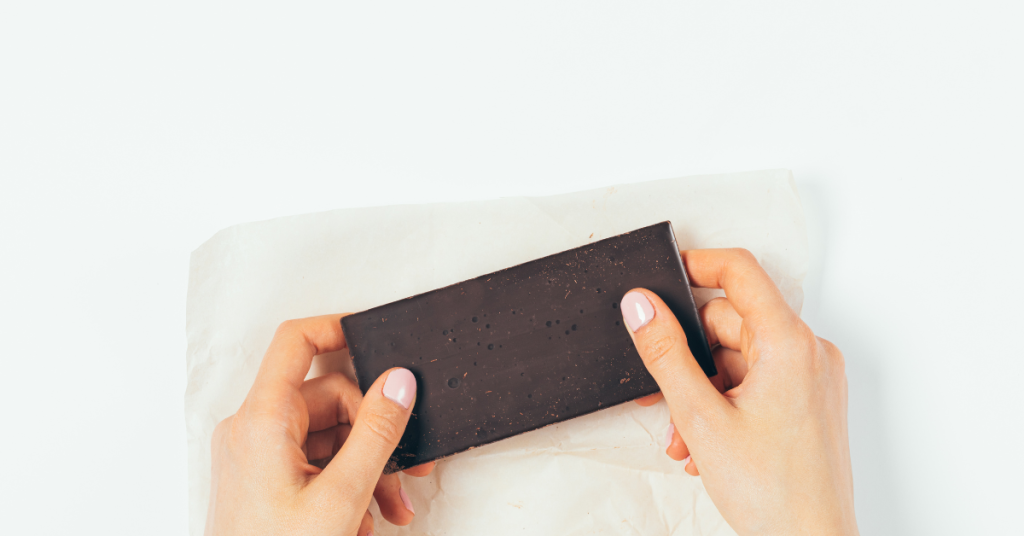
{"x":605,"y":473}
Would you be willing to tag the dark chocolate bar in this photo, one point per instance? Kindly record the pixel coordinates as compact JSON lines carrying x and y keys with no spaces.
{"x":521,"y":348}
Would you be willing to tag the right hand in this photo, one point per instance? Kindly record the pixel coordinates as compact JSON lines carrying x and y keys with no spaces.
{"x":768,"y":434}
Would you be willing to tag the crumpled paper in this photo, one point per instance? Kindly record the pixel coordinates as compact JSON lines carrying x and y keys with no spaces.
{"x":604,"y":473}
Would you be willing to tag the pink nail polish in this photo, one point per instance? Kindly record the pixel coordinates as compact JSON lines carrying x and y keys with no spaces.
{"x":405,"y":500}
{"x":636,"y":310}
{"x":686,"y":461}
{"x":369,"y":533}
{"x":668,"y":434}
{"x":400,"y":387}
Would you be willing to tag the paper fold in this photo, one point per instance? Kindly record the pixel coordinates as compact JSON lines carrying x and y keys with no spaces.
{"x":603,"y":473}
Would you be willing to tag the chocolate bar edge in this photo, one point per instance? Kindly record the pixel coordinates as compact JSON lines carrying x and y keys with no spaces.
{"x":707,"y":365}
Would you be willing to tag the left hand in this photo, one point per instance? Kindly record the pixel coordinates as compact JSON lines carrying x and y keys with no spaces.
{"x":263,"y":481}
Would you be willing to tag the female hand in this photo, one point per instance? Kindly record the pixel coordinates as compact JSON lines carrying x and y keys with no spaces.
{"x":768,"y":434}
{"x":263,"y":481}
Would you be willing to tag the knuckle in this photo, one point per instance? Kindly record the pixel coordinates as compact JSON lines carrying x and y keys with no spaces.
{"x":220,"y":431}
{"x":716,"y":305}
{"x":345,"y":388}
{"x":742,"y":261}
{"x":222,"y":427}
{"x":287,"y":327}
{"x":251,"y":427}
{"x":337,"y":381}
{"x":340,"y":380}
{"x":743,"y":255}
{"x":659,"y":350}
{"x":833,"y":354}
{"x":806,"y":339}
{"x":715,"y":309}
{"x":382,"y":428}
{"x":336,"y":377}
{"x":219,"y":441}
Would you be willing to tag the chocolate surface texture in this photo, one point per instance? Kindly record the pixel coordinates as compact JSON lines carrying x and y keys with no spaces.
{"x":524,"y":347}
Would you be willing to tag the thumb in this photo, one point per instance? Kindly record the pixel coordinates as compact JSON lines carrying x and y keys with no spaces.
{"x":661,"y":342}
{"x":352,"y":475}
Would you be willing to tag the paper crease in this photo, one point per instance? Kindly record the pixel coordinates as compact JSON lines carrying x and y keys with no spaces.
{"x":603,"y":473}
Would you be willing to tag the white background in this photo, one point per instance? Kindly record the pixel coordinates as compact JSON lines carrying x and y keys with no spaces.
{"x":130,"y":133}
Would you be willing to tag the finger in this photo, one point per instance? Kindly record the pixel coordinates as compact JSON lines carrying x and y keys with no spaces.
{"x":675,"y":447}
{"x":351,"y":477}
{"x":295,"y":343}
{"x":420,"y":470}
{"x":393,"y":500}
{"x":275,"y":400}
{"x":690,"y":467}
{"x":722,"y":324}
{"x":649,"y":400}
{"x":321,"y":446}
{"x":747,"y":286}
{"x":366,"y":525}
{"x":661,"y":343}
{"x":331,"y":399}
{"x":732,"y":369}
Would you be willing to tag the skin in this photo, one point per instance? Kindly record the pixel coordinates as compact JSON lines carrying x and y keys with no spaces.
{"x":768,"y":434}
{"x":262,"y":483}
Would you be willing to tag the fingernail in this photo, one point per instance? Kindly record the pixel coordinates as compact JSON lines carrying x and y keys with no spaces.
{"x":686,"y":461}
{"x":369,"y":533}
{"x":668,"y":434}
{"x":405,"y":500}
{"x":637,"y":310}
{"x":400,"y":387}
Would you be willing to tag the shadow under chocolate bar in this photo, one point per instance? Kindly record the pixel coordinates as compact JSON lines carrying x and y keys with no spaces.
{"x":524,"y":347}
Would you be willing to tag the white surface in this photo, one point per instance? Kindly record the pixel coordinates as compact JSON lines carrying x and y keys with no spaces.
{"x":604,"y":473}
{"x":130,"y":133}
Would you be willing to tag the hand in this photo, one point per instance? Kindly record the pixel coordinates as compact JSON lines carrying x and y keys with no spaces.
{"x":262,"y":478}
{"x":768,"y":434}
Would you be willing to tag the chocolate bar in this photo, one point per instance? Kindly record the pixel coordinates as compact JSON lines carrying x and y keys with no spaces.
{"x":524,"y":347}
